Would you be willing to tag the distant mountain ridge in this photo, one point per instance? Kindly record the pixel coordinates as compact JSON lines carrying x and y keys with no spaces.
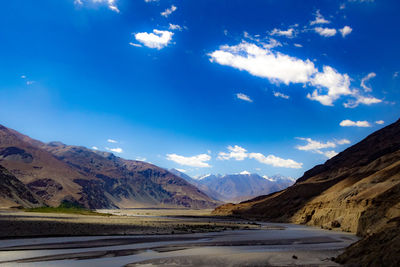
{"x":56,"y":172}
{"x":238,"y":187}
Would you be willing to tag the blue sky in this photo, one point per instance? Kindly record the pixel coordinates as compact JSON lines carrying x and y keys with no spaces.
{"x":203,"y":86}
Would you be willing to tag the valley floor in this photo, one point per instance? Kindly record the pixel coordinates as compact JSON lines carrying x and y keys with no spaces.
{"x":154,"y":237}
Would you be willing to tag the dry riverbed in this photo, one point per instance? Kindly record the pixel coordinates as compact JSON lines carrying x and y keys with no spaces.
{"x":161,"y":237}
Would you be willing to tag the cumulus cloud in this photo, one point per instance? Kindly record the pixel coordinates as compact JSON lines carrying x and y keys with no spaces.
{"x":326,"y":32}
{"x":365,"y":80}
{"x":336,"y":84}
{"x":235,"y":152}
{"x":262,"y":61}
{"x":319,"y":19}
{"x":348,"y":123}
{"x":275,"y":161}
{"x":116,"y":150}
{"x":380,"y":122}
{"x":112,"y":141}
{"x":287,"y":33}
{"x":239,"y":153}
{"x":199,"y":161}
{"x":281,"y":95}
{"x":157,"y":39}
{"x":346,"y":30}
{"x":169,"y":11}
{"x":320,"y":147}
{"x":244,"y":97}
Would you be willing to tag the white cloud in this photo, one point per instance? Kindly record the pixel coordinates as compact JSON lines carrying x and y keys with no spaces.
{"x":313,"y":145}
{"x":395,"y":74}
{"x":336,"y":83}
{"x":141,"y":159}
{"x":149,"y":1}
{"x":112,"y":141}
{"x":110,"y":3}
{"x":244,"y":97}
{"x":174,"y":27}
{"x":326,"y":32}
{"x":136,"y":45}
{"x":23,"y":77}
{"x":345,"y":31}
{"x":281,"y":95}
{"x":318,"y":146}
{"x":343,"y":142}
{"x":319,"y":19}
{"x":380,"y":122}
{"x":244,"y":173}
{"x":342,"y":6}
{"x":168,"y":11}
{"x":347,"y":123}
{"x":116,"y":150}
{"x":298,"y":45}
{"x":181,"y":170}
{"x":235,"y":152}
{"x":95,"y":148}
{"x":288,"y":33}
{"x":261,"y":61}
{"x":275,"y":161}
{"x":157,"y":39}
{"x":366,"y":79}
{"x":30,"y":82}
{"x":199,"y":161}
{"x":330,"y":153}
{"x":360,"y":99}
{"x":78,"y":2}
{"x":239,"y":153}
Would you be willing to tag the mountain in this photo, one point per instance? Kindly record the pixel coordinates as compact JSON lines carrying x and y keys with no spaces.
{"x":14,"y":193}
{"x":357,"y":191}
{"x":56,"y":172}
{"x":238,"y":187}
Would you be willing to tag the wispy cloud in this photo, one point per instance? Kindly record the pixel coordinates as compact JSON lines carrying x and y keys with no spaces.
{"x":200,"y":161}
{"x":380,"y":122}
{"x":111,"y":4}
{"x":239,"y":153}
{"x":95,"y":148}
{"x":365,"y":80}
{"x":321,"y":147}
{"x":281,"y":95}
{"x":287,"y":33}
{"x":169,"y":11}
{"x":157,"y":39}
{"x":319,"y":19}
{"x":112,"y":141}
{"x":174,"y":27}
{"x":350,"y":123}
{"x":116,"y":150}
{"x":243,"y":97}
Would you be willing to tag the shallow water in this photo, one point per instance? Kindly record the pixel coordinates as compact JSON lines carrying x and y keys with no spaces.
{"x":122,"y":250}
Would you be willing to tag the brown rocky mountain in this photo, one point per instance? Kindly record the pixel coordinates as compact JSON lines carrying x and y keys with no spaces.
{"x":14,"y":193}
{"x":56,"y":172}
{"x":357,"y":191}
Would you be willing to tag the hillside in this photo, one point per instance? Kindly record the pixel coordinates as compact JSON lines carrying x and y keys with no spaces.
{"x":357,"y":191}
{"x":56,"y":172}
{"x":14,"y":193}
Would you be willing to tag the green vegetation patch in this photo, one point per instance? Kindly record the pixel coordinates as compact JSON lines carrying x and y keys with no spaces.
{"x":67,"y":207}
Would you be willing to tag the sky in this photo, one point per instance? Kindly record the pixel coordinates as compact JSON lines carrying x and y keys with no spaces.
{"x":263,"y":86}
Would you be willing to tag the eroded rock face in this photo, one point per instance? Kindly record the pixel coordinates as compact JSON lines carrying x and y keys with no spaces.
{"x":45,"y":188}
{"x":14,"y":193}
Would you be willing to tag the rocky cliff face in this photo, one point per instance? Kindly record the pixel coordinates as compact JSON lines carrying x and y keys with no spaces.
{"x":357,"y":191}
{"x":56,"y":172}
{"x":14,"y":193}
